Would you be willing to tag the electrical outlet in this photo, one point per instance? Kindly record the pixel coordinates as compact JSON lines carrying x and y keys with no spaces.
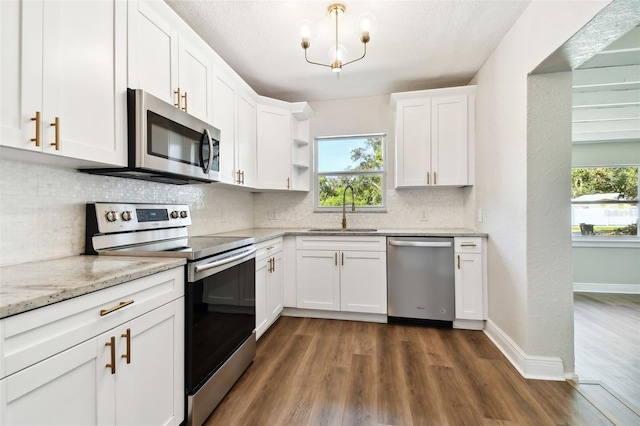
{"x":272,"y":215}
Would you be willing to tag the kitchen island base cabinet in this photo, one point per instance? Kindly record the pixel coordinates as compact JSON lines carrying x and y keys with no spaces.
{"x":342,"y":274}
{"x":129,"y":374}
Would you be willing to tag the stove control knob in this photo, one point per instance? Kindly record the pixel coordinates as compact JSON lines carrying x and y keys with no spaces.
{"x":126,"y":216}
{"x":111,"y":216}
{"x":175,"y":214}
{"x":183,"y":214}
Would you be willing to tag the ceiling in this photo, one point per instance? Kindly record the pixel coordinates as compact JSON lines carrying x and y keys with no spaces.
{"x":415,"y":45}
{"x":606,"y":93}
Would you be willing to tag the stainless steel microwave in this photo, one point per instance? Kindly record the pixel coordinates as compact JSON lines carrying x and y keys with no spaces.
{"x":166,"y":144}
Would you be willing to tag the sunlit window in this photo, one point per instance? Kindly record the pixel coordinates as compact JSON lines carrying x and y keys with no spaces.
{"x":357,"y":161}
{"x":604,"y":201}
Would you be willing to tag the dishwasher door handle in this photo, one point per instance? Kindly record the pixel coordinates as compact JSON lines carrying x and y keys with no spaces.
{"x":419,"y":244}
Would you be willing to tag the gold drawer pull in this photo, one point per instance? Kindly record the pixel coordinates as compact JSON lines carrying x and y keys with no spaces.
{"x":435,"y":178}
{"x":112,"y":343}
{"x":121,"y":305}
{"x":56,"y":124}
{"x":185,"y":101}
{"x":467,"y":245}
{"x":177,"y":104}
{"x":127,"y":355}
{"x":37,"y":120}
{"x":458,"y":261}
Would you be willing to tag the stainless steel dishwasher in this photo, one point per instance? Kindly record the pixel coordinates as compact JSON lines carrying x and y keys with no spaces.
{"x":420,"y":280}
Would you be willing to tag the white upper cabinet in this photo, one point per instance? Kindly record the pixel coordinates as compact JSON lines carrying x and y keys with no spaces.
{"x":64,"y":78}
{"x":246,"y":163}
{"x":224,"y":119}
{"x":234,"y":113}
{"x":434,"y":137}
{"x":168,"y":60}
{"x":274,"y":147}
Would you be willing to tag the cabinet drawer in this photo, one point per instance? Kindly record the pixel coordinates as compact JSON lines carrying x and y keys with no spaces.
{"x":342,"y":243}
{"x":268,"y":248}
{"x":468,"y":244}
{"x":38,"y":334}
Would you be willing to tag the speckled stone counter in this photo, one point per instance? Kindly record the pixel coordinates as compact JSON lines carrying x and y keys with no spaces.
{"x":263,"y":234}
{"x":32,"y":285}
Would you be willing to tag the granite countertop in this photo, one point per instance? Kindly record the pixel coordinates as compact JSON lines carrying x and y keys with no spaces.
{"x":28,"y":286}
{"x":263,"y":234}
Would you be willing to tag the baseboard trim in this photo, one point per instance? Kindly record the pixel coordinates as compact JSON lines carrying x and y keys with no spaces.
{"x":465,"y":324}
{"x":338,"y":315}
{"x":606,"y":288}
{"x":529,"y":366}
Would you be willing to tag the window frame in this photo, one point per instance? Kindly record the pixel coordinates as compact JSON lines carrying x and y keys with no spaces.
{"x":609,"y":240}
{"x":383,"y":173}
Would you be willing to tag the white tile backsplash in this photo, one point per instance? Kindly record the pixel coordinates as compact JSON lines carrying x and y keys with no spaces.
{"x":442,"y":208}
{"x":42,"y":208}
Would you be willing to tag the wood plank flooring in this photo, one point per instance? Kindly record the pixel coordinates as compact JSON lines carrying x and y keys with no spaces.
{"x":328,"y":372}
{"x":607,"y":341}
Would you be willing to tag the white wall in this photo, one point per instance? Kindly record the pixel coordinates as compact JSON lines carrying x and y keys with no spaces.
{"x":42,"y":208}
{"x":443,"y":207}
{"x":519,"y":291}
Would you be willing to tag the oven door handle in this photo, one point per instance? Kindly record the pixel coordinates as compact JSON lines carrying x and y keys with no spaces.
{"x":200,"y":268}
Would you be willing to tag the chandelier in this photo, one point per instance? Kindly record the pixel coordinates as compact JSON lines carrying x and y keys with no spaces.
{"x":337,"y":53}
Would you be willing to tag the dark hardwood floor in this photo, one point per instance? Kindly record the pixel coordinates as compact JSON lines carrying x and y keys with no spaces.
{"x":607,"y":342}
{"x":327,"y":372}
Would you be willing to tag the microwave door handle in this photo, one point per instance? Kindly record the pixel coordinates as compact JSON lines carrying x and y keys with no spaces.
{"x":206,"y":135}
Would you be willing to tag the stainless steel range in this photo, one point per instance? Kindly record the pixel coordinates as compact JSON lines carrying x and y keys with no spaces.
{"x":220,"y":338}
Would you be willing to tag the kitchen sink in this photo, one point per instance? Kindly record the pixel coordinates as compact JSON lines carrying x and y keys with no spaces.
{"x":343,"y":230}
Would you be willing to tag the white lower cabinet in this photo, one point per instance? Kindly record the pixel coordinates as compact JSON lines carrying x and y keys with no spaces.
{"x":129,"y":374}
{"x":342,"y":274}
{"x":470,"y":285}
{"x":44,"y":393}
{"x":269,"y":284}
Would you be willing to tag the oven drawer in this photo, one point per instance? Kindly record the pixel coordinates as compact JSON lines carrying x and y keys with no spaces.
{"x":268,"y":248}
{"x":35,"y":335}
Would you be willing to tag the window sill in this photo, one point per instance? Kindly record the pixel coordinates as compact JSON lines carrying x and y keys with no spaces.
{"x":604,"y":242}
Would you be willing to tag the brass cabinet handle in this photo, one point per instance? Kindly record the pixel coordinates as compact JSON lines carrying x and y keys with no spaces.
{"x":56,"y":124}
{"x":467,"y":245}
{"x":335,"y":258}
{"x":238,"y":177}
{"x":435,"y":178}
{"x":127,"y":355}
{"x":177,"y":92}
{"x":273,"y":264}
{"x":428,"y":175}
{"x":112,"y":343}
{"x":458,"y":261}
{"x":185,"y":101}
{"x":342,"y":258}
{"x":242,"y":177}
{"x":288,"y":183}
{"x":120,"y":305}
{"x":37,"y":120}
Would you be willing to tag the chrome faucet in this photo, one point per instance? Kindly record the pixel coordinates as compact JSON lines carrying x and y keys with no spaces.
{"x":344,"y":209}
